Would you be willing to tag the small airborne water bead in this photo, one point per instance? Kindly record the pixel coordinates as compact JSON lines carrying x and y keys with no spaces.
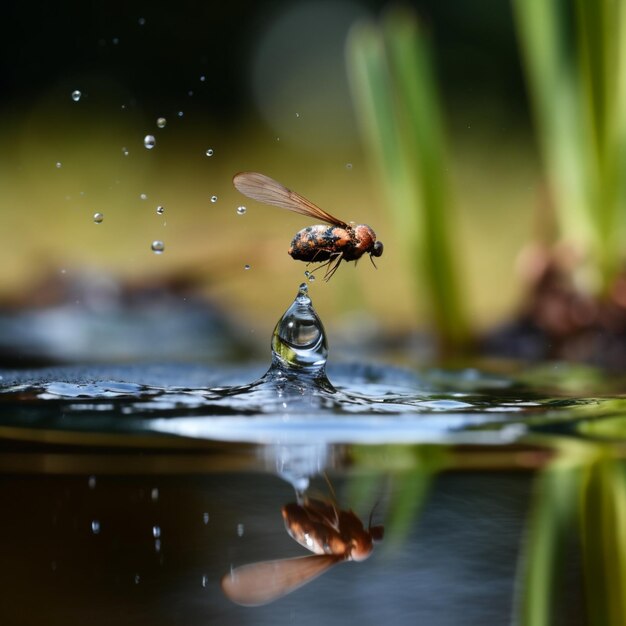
{"x":149,"y":142}
{"x":246,"y":267}
{"x":161,"y":122}
{"x":241,"y":210}
{"x":59,"y":165}
{"x":209,"y":152}
{"x":125,"y":151}
{"x":76,"y":95}
{"x":160,"y":210}
{"x":158,"y":247}
{"x":98,"y":217}
{"x":213,"y":199}
{"x":95,"y":527}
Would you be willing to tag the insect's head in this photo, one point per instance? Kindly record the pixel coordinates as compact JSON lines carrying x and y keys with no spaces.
{"x":377,"y":250}
{"x":360,"y":547}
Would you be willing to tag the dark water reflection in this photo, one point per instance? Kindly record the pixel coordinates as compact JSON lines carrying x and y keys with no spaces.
{"x":458,"y":559}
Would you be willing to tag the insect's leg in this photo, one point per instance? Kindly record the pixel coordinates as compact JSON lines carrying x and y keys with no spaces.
{"x":331,"y":270}
{"x":325,"y":264}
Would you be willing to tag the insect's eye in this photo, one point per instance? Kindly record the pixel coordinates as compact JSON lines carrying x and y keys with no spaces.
{"x":378,"y":249}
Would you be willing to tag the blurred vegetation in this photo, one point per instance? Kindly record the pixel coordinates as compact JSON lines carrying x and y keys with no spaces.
{"x":575,"y":59}
{"x":396,"y":97}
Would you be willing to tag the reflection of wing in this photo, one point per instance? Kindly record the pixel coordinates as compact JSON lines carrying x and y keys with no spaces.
{"x":260,"y":583}
{"x":267,"y":190}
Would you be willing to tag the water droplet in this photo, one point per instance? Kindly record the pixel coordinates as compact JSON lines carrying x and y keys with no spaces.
{"x":205,"y":580}
{"x":348,"y":166}
{"x":98,"y":217}
{"x":161,"y":122}
{"x":125,"y":151}
{"x":309,"y":276}
{"x":76,"y":95}
{"x":190,"y":92}
{"x":115,"y":40}
{"x":157,"y":545}
{"x":154,"y":494}
{"x":137,"y":579}
{"x":95,"y":526}
{"x":160,"y":210}
{"x":240,"y":530}
{"x":213,"y":199}
{"x":59,"y":165}
{"x":156,"y":531}
{"x":299,"y":339}
{"x":149,"y":142}
{"x":92,"y":482}
{"x":143,"y":196}
{"x":205,"y":518}
{"x":297,"y":114}
{"x":246,"y":267}
{"x":180,"y":114}
{"x":202,"y":78}
{"x":241,"y":210}
{"x":141,"y":21}
{"x":209,"y":152}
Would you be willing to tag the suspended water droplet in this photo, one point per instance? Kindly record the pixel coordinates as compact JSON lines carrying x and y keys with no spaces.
{"x":125,"y":151}
{"x":160,"y":210}
{"x":98,"y":217}
{"x":202,"y":78}
{"x":190,"y":92}
{"x":156,"y":531}
{"x":213,"y":199}
{"x":157,"y":545}
{"x":348,"y":166}
{"x":205,"y":580}
{"x":92,"y":482}
{"x":154,"y":494}
{"x":246,"y":267}
{"x":115,"y":41}
{"x":95,"y":526}
{"x":209,"y":152}
{"x":205,"y":518}
{"x":76,"y":95}
{"x":137,"y":579}
{"x":240,"y":530}
{"x":143,"y":196}
{"x":141,"y":21}
{"x":297,"y":114}
{"x":309,"y":276}
{"x":180,"y":114}
{"x":241,"y":210}
{"x":149,"y":142}
{"x":161,"y":122}
{"x":59,"y":165}
{"x":299,"y":339}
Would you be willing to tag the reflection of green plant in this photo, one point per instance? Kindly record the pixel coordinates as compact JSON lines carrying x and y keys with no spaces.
{"x":578,"y":87}
{"x":396,"y":98}
{"x":584,"y":490}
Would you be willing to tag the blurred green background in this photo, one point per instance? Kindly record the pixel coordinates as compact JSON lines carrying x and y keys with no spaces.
{"x":266,"y":88}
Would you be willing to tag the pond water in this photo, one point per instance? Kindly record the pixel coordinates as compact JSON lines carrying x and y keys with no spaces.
{"x":150,"y":494}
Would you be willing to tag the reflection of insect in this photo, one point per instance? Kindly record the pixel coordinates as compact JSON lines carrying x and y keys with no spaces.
{"x":341,"y":241}
{"x":333,"y":535}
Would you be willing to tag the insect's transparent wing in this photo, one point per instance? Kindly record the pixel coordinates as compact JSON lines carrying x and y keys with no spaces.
{"x":265,"y":189}
{"x":261,"y":583}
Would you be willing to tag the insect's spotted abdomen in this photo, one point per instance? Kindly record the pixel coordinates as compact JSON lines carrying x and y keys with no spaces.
{"x":318,"y":243}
